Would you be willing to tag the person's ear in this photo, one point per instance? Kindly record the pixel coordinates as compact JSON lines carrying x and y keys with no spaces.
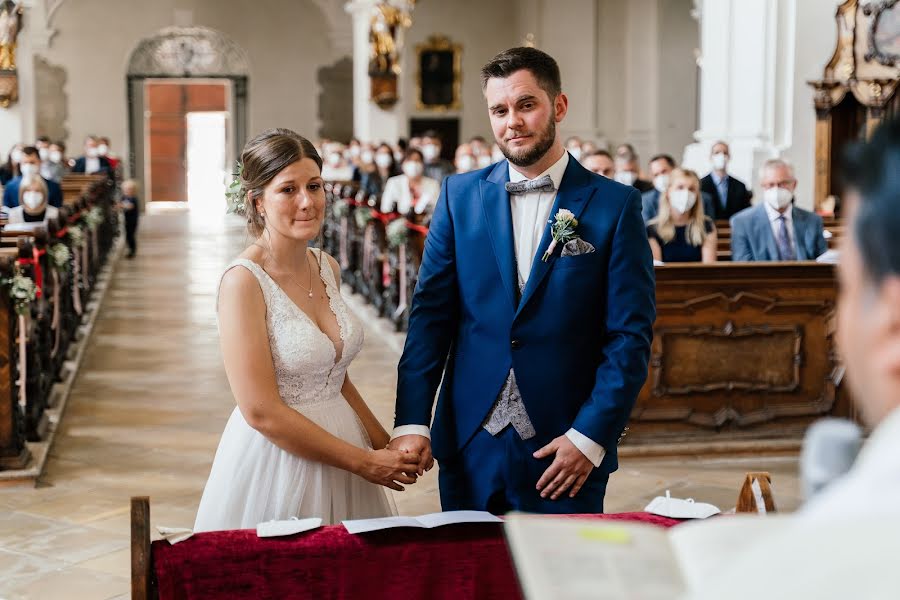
{"x":561,"y":107}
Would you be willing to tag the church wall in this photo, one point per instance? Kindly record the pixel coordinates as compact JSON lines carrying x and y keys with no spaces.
{"x":483,"y":29}
{"x":679,"y":36}
{"x":286,"y":41}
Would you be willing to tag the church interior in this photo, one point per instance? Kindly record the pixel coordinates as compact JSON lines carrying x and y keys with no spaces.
{"x":122,"y":126}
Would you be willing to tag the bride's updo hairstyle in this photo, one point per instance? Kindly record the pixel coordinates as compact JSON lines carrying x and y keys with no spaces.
{"x":264,"y":157}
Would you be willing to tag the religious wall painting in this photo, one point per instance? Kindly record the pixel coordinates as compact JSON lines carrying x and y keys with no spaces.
{"x":439,"y":75}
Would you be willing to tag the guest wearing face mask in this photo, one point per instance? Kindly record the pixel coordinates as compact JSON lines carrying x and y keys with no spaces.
{"x":92,"y":162}
{"x":661,"y":167}
{"x":465,"y":159}
{"x":730,"y":195}
{"x":32,"y":198}
{"x":373,"y":181}
{"x":411,"y":194}
{"x":43,"y":146}
{"x":104,"y":149}
{"x":600,"y":162}
{"x":10,"y":169}
{"x":435,"y":167}
{"x":628,"y":173}
{"x":573,"y":147}
{"x":481,"y":151}
{"x":681,"y":232}
{"x":54,"y":168}
{"x":775,"y":229}
{"x":365,"y":161}
{"x":30,"y":167}
{"x":335,"y":168}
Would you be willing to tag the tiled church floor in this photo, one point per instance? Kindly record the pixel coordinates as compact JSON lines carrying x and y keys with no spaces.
{"x":151,"y":400}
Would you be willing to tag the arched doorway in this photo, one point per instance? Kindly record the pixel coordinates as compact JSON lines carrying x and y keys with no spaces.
{"x":182,"y":84}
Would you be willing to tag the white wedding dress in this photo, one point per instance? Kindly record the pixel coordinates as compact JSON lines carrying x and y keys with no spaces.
{"x":253,"y":480}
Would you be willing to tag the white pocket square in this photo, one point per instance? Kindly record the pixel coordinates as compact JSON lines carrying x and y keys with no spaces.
{"x":577,"y":247}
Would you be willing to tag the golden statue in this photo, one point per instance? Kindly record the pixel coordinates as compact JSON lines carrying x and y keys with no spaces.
{"x":385,"y":43}
{"x":10,"y":25}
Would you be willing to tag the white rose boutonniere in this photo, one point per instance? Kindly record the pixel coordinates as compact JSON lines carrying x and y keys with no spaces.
{"x":562,"y":230}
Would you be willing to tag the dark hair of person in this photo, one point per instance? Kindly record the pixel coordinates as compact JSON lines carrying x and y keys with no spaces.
{"x":477,"y":138}
{"x":62,"y":145}
{"x":431,"y":133}
{"x":873,"y":170}
{"x":414,"y":152}
{"x":264,"y":157}
{"x":666,"y":157}
{"x":540,"y":64}
{"x":403,"y":144}
{"x":600,"y":152}
{"x":44,"y":139}
{"x":30,"y":151}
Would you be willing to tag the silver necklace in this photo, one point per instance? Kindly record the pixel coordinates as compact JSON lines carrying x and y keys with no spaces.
{"x":308,"y":290}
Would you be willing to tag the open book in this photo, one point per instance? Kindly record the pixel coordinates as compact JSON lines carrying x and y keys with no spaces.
{"x":564,"y":559}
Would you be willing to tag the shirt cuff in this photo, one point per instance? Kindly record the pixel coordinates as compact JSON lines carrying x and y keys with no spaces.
{"x":591,"y":449}
{"x":422,"y":430}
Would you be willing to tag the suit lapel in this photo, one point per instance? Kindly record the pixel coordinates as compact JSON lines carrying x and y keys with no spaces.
{"x":762,"y":220}
{"x":498,"y":217}
{"x":573,"y":195}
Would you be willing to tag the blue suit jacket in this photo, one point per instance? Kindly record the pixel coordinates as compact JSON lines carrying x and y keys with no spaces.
{"x":80,"y":166}
{"x":11,"y":193}
{"x":579,"y":338}
{"x":752,"y":238}
{"x":650,"y":201}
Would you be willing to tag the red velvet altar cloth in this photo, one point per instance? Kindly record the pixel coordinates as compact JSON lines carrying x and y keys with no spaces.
{"x":454,"y":562}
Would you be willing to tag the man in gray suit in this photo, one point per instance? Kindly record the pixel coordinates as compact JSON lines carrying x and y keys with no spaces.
{"x":775,"y":229}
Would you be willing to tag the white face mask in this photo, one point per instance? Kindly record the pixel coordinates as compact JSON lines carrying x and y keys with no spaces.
{"x":28,"y":170}
{"x":682,"y":201}
{"x":334,"y":159}
{"x":44,"y":153}
{"x":354,"y":151}
{"x":465,"y":163}
{"x":484,"y":161}
{"x":430,"y":152}
{"x":55,"y":156}
{"x":625,"y":177}
{"x":412,"y":168}
{"x":91,"y":153}
{"x":575,"y":152}
{"x":367,"y":157}
{"x":383,"y":160}
{"x":102,"y":149}
{"x":16,"y":156}
{"x":661,"y":182}
{"x":32,"y":200}
{"x":719,"y":161}
{"x":778,"y":197}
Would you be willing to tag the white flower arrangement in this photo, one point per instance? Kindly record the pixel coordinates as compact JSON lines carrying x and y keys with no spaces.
{"x":60,"y":256}
{"x":93,"y":217}
{"x":22,"y":292}
{"x":397,"y":232}
{"x":76,"y":235}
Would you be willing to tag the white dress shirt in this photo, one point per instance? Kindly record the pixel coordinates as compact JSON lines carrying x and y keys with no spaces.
{"x":398,"y":195}
{"x":776,"y":225}
{"x":530,"y":217}
{"x":91,"y":164}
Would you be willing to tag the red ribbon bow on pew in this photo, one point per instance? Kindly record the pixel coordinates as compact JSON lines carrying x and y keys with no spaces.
{"x":35,"y":262}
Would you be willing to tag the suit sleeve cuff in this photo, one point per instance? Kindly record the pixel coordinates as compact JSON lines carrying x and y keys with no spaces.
{"x":422,"y":430}
{"x":591,"y":449}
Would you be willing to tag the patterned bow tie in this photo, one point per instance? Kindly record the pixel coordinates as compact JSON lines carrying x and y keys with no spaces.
{"x":542,"y":184}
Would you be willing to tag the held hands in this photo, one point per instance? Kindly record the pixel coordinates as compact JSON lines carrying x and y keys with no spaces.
{"x":569,"y":470}
{"x":418,"y":445}
{"x":388,"y":467}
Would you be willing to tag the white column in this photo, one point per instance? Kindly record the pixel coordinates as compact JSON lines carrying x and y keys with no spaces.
{"x":746,"y":85}
{"x":371,"y":123}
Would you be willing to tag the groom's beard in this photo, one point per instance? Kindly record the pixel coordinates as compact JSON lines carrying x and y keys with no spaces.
{"x":528,"y":156}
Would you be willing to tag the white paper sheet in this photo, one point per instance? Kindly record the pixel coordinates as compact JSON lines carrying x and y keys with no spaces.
{"x":288,"y":527}
{"x":423,"y":522}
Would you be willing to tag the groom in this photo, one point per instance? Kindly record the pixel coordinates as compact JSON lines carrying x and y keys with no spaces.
{"x":541,"y":360}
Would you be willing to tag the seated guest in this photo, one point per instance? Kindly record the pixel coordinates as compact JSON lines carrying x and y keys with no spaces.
{"x":54,"y":168}
{"x":92,"y":162}
{"x":373,"y":181}
{"x":411,"y":194}
{"x":10,"y":169}
{"x":661,"y":167}
{"x":481,"y":151}
{"x":588,"y":148}
{"x":33,"y":206}
{"x":335,"y":167}
{"x":464,"y":159}
{"x":435,"y":167}
{"x":776,"y":229}
{"x":30,"y":167}
{"x":628,"y":173}
{"x":43,"y":146}
{"x":105,"y":150}
{"x":573,"y":146}
{"x":600,"y":162}
{"x":730,"y":195}
{"x":869,"y":328}
{"x":681,"y":232}
{"x":365,"y":161}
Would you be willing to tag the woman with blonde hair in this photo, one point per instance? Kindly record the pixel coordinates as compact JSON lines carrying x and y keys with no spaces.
{"x":681,"y":232}
{"x":33,"y":207}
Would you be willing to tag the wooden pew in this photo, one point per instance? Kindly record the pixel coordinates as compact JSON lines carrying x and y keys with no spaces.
{"x":76,"y":185}
{"x":743,"y":359}
{"x":834,"y":231}
{"x":13,"y":452}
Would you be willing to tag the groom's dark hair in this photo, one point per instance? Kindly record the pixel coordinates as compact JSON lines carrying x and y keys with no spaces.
{"x":541,"y":65}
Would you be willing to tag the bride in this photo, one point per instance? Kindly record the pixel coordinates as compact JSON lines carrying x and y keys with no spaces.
{"x":300,"y":441}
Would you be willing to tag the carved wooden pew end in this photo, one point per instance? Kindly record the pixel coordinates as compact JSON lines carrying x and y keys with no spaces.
{"x":756,"y":494}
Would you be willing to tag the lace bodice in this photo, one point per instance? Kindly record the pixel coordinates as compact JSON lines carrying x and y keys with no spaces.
{"x":303,"y":356}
